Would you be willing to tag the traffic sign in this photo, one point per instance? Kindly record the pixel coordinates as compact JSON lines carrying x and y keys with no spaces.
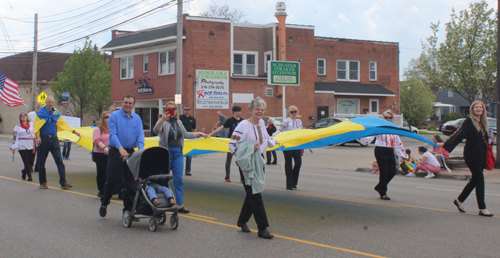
{"x":42,"y":97}
{"x":65,"y":98}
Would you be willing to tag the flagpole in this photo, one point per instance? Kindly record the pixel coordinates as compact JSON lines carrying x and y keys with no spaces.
{"x":35,"y":64}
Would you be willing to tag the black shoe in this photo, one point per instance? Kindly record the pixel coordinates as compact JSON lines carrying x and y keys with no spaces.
{"x":265,"y":234}
{"x":385,"y":197}
{"x":268,"y":163}
{"x":461,"y":209}
{"x":99,"y":194}
{"x":274,"y":163}
{"x":484,"y":214}
{"x":289,"y":188}
{"x":102,"y":211}
{"x":188,"y":174}
{"x":183,"y":210}
{"x":243,"y":227}
{"x":294,"y":187}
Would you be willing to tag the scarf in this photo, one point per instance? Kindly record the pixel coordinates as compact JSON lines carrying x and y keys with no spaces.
{"x":25,"y":126}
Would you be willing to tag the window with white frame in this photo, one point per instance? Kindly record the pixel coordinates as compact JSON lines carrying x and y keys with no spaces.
{"x":166,"y":63}
{"x":245,"y":63}
{"x":267,"y":58}
{"x":374,"y":106}
{"x":321,"y":66}
{"x":127,"y":67}
{"x":373,"y":71}
{"x":347,"y":70}
{"x":145,"y":62}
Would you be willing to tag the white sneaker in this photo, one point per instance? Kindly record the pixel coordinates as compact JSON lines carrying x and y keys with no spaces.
{"x":430,"y":175}
{"x":411,"y":174}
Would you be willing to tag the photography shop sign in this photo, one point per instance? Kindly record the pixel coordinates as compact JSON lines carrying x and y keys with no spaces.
{"x":212,"y":89}
{"x":283,"y":73}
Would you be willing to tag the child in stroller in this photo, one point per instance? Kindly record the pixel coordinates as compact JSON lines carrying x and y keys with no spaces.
{"x":152,"y":189}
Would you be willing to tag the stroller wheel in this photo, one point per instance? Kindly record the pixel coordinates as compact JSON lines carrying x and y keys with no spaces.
{"x":127,"y":219}
{"x":153,"y":223}
{"x":174,"y":221}
{"x":162,"y":218}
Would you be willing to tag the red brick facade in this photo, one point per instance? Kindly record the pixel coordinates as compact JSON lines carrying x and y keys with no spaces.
{"x":207,"y":46}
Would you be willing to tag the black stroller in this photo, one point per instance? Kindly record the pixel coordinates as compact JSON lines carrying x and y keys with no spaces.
{"x":151,"y":164}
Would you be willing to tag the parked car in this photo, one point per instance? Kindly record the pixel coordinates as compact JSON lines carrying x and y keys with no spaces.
{"x":450,"y":127}
{"x":329,"y":121}
{"x":412,"y":128}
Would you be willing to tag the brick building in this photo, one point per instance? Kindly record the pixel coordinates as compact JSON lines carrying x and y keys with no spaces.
{"x":337,"y":76}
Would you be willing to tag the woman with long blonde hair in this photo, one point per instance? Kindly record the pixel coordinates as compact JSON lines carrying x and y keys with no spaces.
{"x":475,"y":130}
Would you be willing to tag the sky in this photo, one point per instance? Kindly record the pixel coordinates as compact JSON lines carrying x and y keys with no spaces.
{"x":61,"y":22}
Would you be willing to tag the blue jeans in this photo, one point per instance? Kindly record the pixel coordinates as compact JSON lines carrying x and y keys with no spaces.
{"x":66,"y":149}
{"x":50,"y":145}
{"x":188,"y":163}
{"x":161,"y":189}
{"x":176,"y":164}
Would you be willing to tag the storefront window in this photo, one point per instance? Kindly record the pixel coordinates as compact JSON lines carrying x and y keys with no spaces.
{"x":145,"y":114}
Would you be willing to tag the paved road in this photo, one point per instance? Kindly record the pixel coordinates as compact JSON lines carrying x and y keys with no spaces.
{"x":334,"y":213}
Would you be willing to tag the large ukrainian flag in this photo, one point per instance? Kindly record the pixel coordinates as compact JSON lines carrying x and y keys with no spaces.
{"x":43,"y":116}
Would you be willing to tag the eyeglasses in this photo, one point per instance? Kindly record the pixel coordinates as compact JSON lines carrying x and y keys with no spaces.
{"x":388,"y":117}
{"x":106,"y":117}
{"x":187,"y":109}
{"x":23,"y":115}
{"x":294,"y":112}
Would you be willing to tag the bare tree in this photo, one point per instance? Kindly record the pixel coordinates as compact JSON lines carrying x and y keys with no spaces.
{"x":234,"y":15}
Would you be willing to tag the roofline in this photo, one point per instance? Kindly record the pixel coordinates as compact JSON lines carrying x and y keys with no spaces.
{"x":360,"y":40}
{"x":210,"y":19}
{"x":140,"y":43}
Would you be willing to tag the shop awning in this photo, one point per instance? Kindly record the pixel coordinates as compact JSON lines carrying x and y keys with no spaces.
{"x":352,"y":89}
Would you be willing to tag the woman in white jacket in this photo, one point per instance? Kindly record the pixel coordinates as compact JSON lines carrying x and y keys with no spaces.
{"x":253,"y":130}
{"x":23,"y":142}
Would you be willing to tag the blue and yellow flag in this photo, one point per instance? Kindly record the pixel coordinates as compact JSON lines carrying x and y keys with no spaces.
{"x":43,"y":116}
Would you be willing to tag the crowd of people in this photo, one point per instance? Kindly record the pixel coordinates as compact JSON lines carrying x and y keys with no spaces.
{"x":119,"y":132}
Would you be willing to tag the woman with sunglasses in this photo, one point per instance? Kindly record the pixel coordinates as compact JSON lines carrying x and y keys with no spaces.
{"x":172,"y":133}
{"x":291,"y":123}
{"x":23,"y":142}
{"x":100,"y":151}
{"x":386,"y":147}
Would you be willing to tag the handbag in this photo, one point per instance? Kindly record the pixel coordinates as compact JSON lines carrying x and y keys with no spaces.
{"x":490,"y":162}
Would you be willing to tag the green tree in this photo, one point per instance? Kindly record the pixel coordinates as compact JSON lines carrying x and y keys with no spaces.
{"x":417,"y":101}
{"x":465,"y":62}
{"x":87,"y":78}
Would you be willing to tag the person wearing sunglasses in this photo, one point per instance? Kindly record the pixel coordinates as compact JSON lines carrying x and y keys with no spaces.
{"x":100,"y":151}
{"x":291,"y":170}
{"x":23,"y":141}
{"x":189,"y":123}
{"x":386,"y":147}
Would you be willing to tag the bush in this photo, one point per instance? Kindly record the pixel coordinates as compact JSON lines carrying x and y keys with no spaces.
{"x":451,"y":116}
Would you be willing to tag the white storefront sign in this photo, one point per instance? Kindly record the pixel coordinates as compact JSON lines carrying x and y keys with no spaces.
{"x":212,"y":89}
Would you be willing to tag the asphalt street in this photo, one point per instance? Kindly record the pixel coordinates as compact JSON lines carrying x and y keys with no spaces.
{"x":334,"y":213}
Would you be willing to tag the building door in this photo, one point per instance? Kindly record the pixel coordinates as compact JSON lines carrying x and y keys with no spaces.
{"x":154,"y":119}
{"x":322,"y":112}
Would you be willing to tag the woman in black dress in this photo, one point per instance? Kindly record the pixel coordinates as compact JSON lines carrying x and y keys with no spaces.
{"x":475,"y":130}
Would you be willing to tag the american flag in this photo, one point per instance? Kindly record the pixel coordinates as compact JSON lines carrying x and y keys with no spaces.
{"x":9,"y":92}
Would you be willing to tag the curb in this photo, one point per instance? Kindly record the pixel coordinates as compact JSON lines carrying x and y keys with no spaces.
{"x":441,"y":175}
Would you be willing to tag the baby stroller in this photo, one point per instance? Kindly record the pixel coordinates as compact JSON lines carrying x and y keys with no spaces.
{"x":151,"y":164}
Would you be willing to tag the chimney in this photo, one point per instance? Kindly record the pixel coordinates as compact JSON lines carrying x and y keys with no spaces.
{"x":281,"y":16}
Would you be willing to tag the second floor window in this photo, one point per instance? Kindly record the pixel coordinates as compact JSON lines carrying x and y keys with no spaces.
{"x":167,"y":63}
{"x":321,"y":66}
{"x":347,"y":70}
{"x":127,"y":67}
{"x":267,"y":58}
{"x":145,"y":62}
{"x":373,"y":71}
{"x":245,"y":63}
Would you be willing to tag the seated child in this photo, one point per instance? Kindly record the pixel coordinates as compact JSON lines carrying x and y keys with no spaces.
{"x":150,"y":190}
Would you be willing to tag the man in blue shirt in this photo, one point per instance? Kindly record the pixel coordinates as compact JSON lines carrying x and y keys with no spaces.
{"x":46,"y":137}
{"x":125,"y":133}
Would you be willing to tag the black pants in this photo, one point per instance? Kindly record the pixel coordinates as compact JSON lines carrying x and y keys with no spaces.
{"x":253,"y":204}
{"x":27,"y":157}
{"x":476,"y":181}
{"x":268,"y":155}
{"x":292,"y":174}
{"x":229,"y":158}
{"x":101,"y":163}
{"x":387,"y":167}
{"x":117,"y":171}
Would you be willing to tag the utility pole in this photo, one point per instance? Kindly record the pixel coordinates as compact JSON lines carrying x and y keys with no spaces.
{"x":35,"y":64}
{"x":178,"y":85}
